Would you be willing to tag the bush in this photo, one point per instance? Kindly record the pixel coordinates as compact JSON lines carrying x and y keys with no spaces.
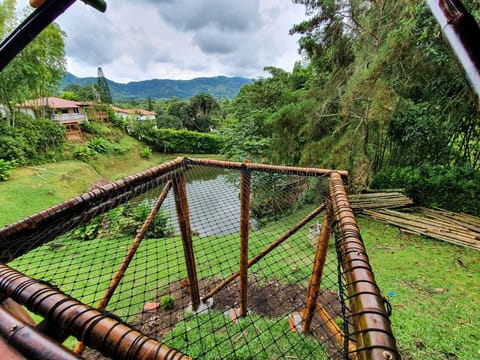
{"x":455,"y":188}
{"x":167,"y":302}
{"x":93,"y":128}
{"x":102,"y":146}
{"x":160,"y":225}
{"x":5,"y":167}
{"x":82,"y":152}
{"x":31,"y":141}
{"x":146,"y":153}
{"x":174,"y":141}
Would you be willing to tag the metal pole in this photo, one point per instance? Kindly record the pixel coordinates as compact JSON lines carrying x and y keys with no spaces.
{"x":244,"y":228}
{"x":316,"y":278}
{"x":183,"y":214}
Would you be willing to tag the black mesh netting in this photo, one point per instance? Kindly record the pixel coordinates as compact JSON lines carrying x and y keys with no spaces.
{"x":83,"y":250}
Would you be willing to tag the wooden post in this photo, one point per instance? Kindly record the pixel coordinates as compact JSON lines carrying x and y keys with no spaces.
{"x":181,"y":204}
{"x":244,"y":228}
{"x":316,"y":278}
{"x":267,"y":250}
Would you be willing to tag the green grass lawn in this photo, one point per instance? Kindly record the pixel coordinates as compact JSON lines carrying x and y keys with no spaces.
{"x":433,"y":287}
{"x":32,"y":189}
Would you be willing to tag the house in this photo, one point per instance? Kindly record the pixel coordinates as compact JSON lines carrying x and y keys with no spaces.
{"x":66,"y":112}
{"x":145,"y":114}
{"x":134,"y":114}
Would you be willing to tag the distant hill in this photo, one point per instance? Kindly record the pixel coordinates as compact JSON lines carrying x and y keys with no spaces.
{"x":220,"y":87}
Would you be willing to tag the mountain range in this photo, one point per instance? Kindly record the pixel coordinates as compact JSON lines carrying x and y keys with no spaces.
{"x":220,"y":87}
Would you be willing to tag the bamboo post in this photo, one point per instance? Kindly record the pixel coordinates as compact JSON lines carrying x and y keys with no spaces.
{"x":18,"y":311}
{"x":26,"y":340}
{"x":181,"y":204}
{"x":373,"y":333}
{"x":316,"y":278}
{"x":244,"y":229}
{"x":267,"y":250}
{"x":335,"y":331}
{"x":97,"y":330}
{"x":129,"y":256}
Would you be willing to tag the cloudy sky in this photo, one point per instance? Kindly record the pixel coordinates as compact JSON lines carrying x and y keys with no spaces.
{"x":180,"y":39}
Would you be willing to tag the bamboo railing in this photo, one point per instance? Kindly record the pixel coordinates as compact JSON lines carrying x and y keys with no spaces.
{"x":94,"y":328}
{"x":372,"y":330}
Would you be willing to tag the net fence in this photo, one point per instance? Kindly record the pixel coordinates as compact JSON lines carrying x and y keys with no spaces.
{"x":213,"y":259}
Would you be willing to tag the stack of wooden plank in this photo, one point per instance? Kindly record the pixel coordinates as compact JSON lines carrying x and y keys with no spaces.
{"x":455,"y":228}
{"x":379,"y":200}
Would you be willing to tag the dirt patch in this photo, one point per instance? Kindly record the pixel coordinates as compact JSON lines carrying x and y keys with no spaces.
{"x":270,"y":299}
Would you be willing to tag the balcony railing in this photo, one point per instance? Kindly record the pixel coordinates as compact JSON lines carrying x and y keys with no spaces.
{"x":69,"y":118}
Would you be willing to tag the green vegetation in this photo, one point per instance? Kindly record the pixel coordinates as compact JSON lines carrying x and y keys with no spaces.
{"x":170,"y":141}
{"x":35,"y":72}
{"x":167,"y":302}
{"x":31,"y":189}
{"x":379,"y":95}
{"x":430,"y":285}
{"x":254,"y":336}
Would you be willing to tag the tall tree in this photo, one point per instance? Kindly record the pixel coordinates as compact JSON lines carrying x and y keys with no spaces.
{"x":103,"y":89}
{"x":37,"y":70}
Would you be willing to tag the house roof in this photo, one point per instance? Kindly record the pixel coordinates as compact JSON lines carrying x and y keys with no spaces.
{"x":134,"y":111}
{"x":121,"y":110}
{"x":51,"y":102}
{"x":145,"y":112}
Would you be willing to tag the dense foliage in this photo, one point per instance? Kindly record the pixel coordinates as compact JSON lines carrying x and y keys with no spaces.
{"x":36,"y":71}
{"x":379,"y":93}
{"x":31,"y":141}
{"x":174,"y":141}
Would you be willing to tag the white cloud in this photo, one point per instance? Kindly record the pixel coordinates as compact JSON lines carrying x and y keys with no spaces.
{"x":180,"y":39}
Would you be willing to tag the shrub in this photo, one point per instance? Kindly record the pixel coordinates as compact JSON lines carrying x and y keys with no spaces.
{"x":82,"y":152}
{"x":92,"y":128}
{"x":31,"y":141}
{"x":100,"y":145}
{"x":146,"y":152}
{"x":160,"y":225}
{"x":5,"y":167}
{"x":174,"y":141}
{"x":167,"y":302}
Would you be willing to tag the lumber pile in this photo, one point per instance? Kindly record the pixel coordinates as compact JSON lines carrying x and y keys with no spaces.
{"x":455,"y":228}
{"x":379,"y":200}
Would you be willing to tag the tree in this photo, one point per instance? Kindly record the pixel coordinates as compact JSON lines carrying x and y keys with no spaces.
{"x":103,"y":89}
{"x":201,"y":109}
{"x":37,"y":70}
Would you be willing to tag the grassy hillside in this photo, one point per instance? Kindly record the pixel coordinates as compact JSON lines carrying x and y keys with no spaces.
{"x":32,"y":189}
